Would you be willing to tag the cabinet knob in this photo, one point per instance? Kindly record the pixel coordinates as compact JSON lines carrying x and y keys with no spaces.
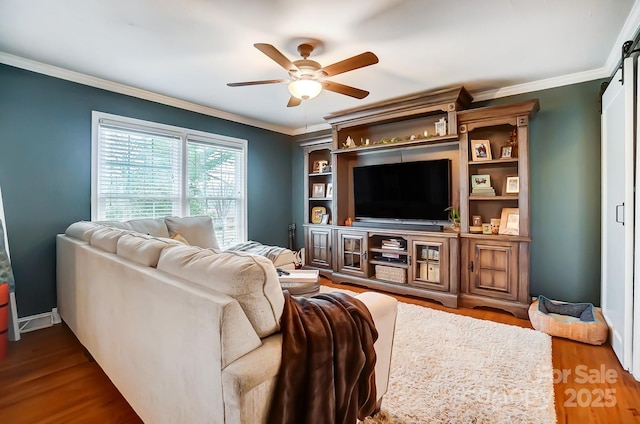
{"x":471,"y":266}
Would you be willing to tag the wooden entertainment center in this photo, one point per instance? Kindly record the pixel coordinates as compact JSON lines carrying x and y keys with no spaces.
{"x":488,"y":149}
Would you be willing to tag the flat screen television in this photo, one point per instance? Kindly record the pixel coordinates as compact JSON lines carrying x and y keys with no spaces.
{"x":417,"y":191}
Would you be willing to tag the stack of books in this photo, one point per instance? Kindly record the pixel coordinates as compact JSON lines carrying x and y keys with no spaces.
{"x":487,"y":191}
{"x":481,"y":185}
{"x":391,"y":244}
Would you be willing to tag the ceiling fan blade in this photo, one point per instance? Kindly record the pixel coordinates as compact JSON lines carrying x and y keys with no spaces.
{"x":345,"y":89}
{"x":294,"y":101}
{"x":355,"y":62}
{"x":276,"y":56}
{"x":240,"y":84}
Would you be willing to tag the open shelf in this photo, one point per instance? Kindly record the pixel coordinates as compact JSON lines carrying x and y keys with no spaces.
{"x":494,"y":161}
{"x":494,"y":198}
{"x":435,"y":141}
{"x":389,"y":263}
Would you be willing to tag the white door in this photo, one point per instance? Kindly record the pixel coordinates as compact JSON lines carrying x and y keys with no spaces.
{"x":635,"y":321}
{"x":617,"y":209}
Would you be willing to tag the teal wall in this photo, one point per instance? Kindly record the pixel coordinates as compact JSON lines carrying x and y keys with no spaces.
{"x":565,"y":191}
{"x":45,"y":169}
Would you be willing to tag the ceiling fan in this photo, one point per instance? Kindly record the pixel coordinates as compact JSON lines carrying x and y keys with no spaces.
{"x":307,"y":77}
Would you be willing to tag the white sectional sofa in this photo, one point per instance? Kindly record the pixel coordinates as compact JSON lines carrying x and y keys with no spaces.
{"x":187,"y":333}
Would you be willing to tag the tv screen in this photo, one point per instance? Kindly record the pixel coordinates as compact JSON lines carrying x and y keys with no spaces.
{"x":405,"y":191}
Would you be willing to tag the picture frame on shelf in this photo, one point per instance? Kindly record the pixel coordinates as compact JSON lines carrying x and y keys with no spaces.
{"x":512,"y":185}
{"x":320,"y":166}
{"x":510,"y":222}
{"x":318,"y":190}
{"x":506,"y":152}
{"x":481,"y":150}
{"x":481,"y":181}
{"x":316,"y":214}
{"x":329,"y":192}
{"x":324,"y":219}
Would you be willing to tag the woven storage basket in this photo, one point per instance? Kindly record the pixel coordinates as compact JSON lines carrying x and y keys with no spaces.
{"x":389,"y":273}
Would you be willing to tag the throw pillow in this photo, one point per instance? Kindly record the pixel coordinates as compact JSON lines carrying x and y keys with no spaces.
{"x":197,"y":230}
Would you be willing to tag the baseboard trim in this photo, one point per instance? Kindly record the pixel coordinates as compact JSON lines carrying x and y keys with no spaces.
{"x":39,"y":321}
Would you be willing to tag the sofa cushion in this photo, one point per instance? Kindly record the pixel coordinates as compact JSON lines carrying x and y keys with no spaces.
{"x":82,"y":230}
{"x":197,"y":230}
{"x":106,"y":238}
{"x":152,"y":226}
{"x":141,"y":249}
{"x":252,"y":280}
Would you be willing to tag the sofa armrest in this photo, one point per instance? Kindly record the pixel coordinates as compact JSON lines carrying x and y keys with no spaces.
{"x":383,"y":309}
{"x":248,"y":383}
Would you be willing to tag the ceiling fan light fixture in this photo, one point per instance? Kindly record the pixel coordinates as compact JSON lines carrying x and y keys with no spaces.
{"x":305,"y":89}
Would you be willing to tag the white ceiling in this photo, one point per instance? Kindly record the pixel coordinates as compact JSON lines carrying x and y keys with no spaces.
{"x":184,"y":52}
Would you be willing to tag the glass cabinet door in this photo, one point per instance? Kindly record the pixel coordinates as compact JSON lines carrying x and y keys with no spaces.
{"x":430,"y":264}
{"x":352,"y":253}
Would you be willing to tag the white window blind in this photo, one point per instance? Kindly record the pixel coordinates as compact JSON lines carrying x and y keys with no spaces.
{"x":146,"y":170}
{"x":139,"y":174}
{"x":216,"y":186}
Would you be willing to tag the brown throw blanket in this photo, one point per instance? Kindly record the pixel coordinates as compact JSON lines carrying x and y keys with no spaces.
{"x":327,"y":372}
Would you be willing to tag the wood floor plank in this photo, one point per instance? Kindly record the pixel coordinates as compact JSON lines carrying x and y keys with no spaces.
{"x":47,"y":378}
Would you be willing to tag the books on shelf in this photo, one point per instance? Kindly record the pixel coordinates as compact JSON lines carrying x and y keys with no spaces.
{"x":391,"y":255}
{"x":483,"y":191}
{"x":392,"y":244}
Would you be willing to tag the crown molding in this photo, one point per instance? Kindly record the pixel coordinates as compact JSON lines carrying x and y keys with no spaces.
{"x":544,"y":84}
{"x":80,"y":78}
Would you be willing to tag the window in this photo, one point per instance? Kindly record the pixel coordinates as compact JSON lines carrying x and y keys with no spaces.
{"x":143,"y":169}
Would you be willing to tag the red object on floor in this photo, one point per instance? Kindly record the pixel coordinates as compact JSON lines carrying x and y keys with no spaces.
{"x":4,"y":319}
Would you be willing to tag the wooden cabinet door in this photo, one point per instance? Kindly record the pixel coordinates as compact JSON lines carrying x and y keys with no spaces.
{"x":429,"y":263}
{"x":319,"y":247}
{"x":493,"y":269}
{"x":352,"y":252}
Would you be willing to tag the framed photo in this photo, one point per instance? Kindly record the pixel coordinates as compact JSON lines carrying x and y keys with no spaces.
{"x":512,"y":186}
{"x":510,"y":222}
{"x":325,"y":218}
{"x":318,"y":190}
{"x":480,"y":150}
{"x":506,"y":152}
{"x":481,"y":181}
{"x":329,"y":192}
{"x":320,"y":166}
{"x":316,"y":214}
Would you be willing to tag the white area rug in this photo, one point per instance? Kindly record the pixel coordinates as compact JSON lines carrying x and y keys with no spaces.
{"x":449,"y":368}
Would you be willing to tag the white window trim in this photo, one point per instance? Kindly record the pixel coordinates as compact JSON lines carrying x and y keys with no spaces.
{"x":185,"y":134}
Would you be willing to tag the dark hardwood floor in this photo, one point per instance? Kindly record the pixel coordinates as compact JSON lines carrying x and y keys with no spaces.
{"x":47,"y":378}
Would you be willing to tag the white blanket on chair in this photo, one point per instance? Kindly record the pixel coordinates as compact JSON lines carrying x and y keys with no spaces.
{"x":280,"y":256}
